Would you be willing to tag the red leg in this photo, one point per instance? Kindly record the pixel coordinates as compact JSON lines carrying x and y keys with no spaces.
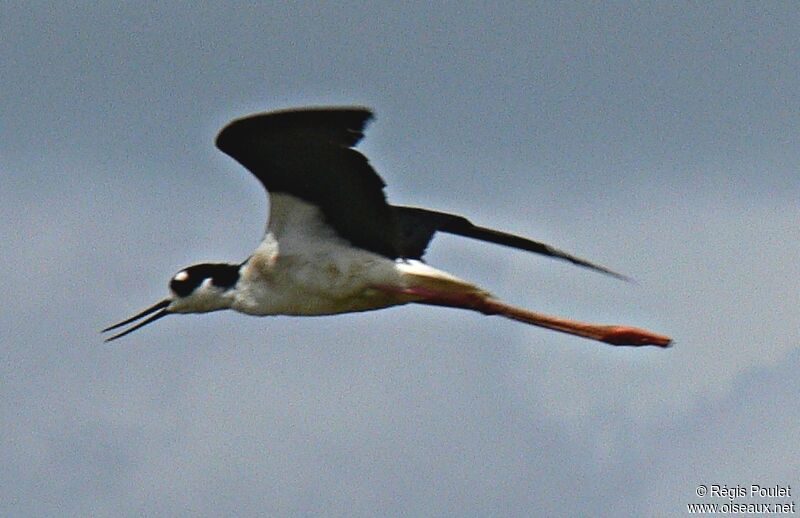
{"x":614,"y":335}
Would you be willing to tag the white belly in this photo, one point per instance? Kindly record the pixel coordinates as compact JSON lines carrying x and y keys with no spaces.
{"x":304,"y":268}
{"x":332,"y":280}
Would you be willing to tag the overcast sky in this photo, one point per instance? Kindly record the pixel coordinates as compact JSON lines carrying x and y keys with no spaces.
{"x":660,"y":140}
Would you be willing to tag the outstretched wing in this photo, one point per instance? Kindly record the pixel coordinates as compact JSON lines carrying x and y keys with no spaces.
{"x":417,"y":227}
{"x":308,"y":154}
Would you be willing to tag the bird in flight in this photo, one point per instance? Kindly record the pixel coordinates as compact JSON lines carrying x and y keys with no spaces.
{"x":333,"y":243}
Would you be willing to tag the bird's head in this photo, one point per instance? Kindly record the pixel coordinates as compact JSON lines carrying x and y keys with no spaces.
{"x":196,"y":289}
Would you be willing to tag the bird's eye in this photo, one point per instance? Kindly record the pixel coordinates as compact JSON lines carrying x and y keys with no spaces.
{"x":180,"y":284}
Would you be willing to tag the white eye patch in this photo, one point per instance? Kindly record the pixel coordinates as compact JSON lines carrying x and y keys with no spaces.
{"x":181,"y":276}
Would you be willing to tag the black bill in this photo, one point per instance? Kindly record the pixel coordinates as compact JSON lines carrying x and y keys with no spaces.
{"x":160,"y":308}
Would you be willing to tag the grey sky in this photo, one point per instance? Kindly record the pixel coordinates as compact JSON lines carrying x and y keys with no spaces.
{"x":658,"y":139}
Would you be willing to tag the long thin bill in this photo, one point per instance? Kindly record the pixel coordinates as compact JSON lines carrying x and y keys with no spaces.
{"x":152,"y":309}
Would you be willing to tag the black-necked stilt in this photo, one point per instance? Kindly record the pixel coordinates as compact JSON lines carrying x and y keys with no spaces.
{"x":334,"y":245}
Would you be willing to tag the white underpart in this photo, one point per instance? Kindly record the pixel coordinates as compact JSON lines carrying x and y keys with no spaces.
{"x":302,"y":267}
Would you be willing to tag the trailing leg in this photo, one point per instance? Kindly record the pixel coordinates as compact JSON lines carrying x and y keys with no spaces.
{"x":484,"y":303}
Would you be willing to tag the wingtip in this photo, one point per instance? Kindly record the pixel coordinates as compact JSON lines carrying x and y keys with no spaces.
{"x":352,"y":119}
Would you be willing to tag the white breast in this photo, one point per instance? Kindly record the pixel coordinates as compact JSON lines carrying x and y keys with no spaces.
{"x":302,"y":267}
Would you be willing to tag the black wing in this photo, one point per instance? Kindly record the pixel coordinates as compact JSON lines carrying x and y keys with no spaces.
{"x":417,"y":226}
{"x":309,"y":154}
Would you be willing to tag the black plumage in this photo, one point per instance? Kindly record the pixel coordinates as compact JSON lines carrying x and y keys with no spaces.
{"x":309,"y":154}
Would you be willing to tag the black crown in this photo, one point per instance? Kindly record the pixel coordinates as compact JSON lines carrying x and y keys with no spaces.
{"x":221,"y":274}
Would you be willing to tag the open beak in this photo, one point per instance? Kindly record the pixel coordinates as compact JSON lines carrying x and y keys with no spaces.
{"x":159,"y":310}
